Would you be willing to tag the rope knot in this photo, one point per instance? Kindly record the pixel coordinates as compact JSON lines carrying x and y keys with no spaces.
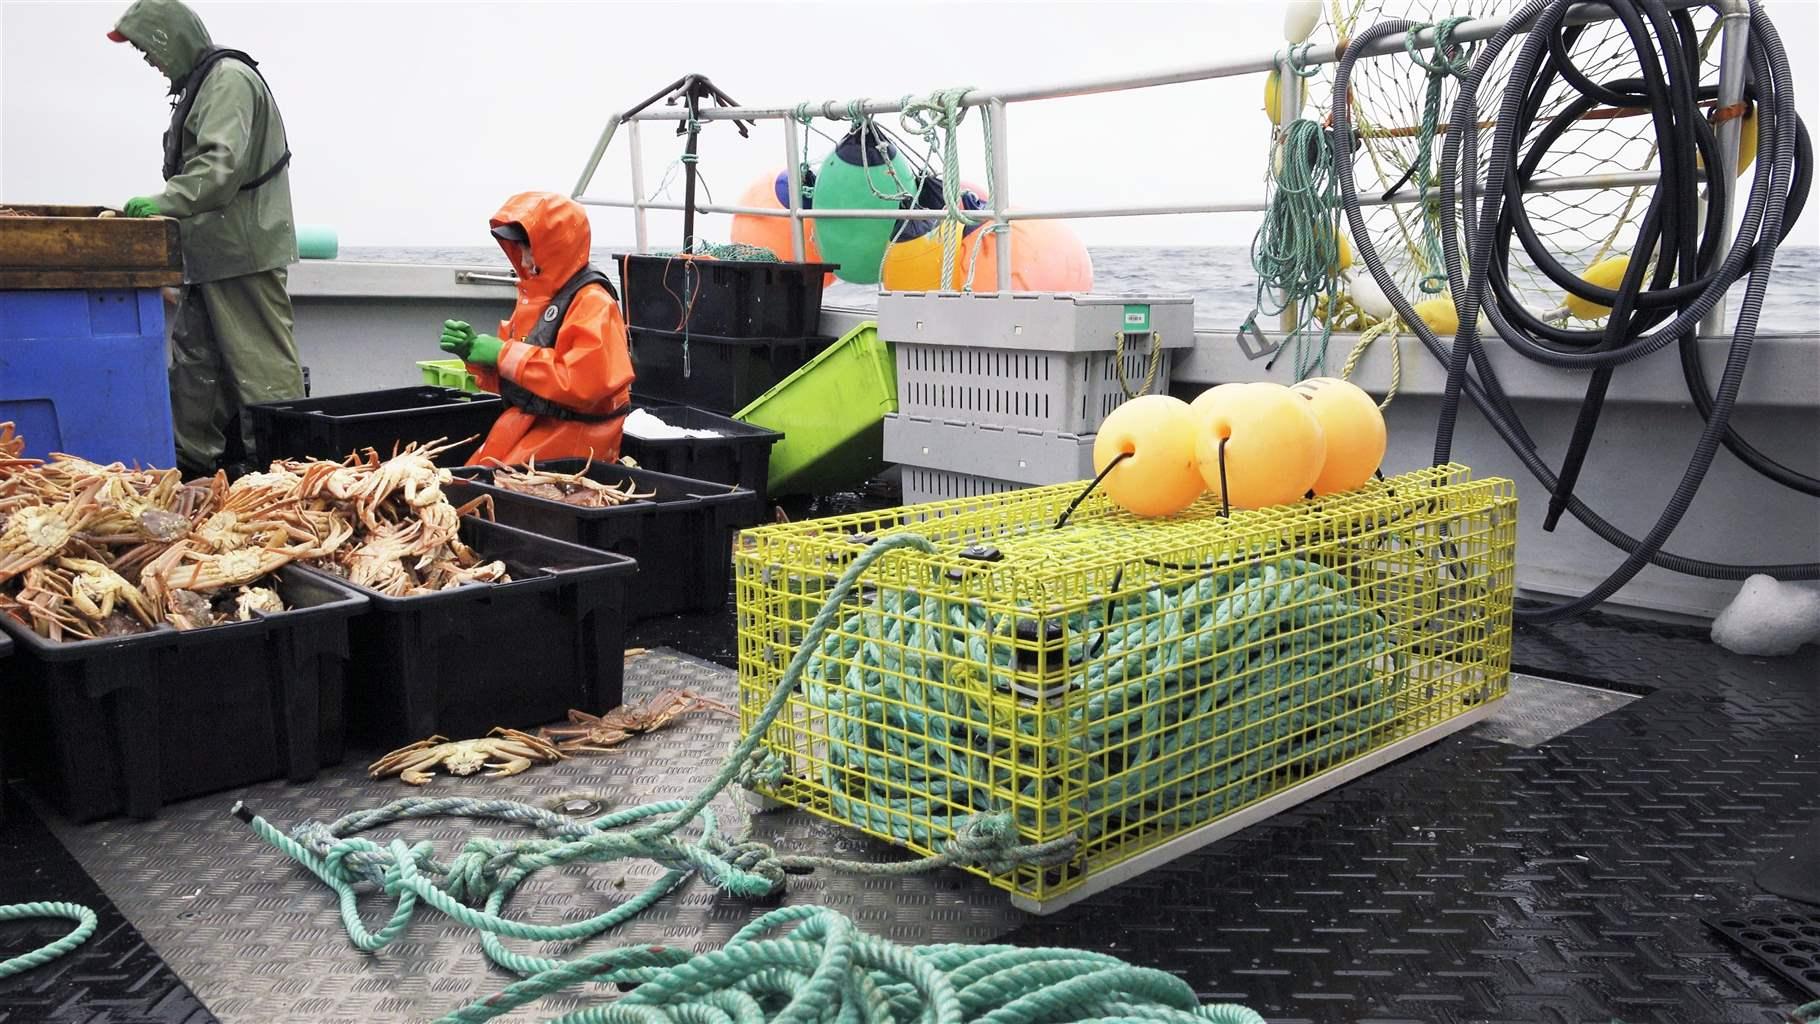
{"x":992,"y":841}
{"x":474,"y":873}
{"x":749,"y":869}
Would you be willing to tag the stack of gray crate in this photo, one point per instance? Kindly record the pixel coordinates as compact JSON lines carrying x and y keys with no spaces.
{"x":998,"y":392}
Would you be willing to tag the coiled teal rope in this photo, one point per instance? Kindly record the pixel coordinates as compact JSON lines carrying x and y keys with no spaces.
{"x":85,"y":926}
{"x":1296,"y":251}
{"x":1194,"y":694}
{"x":826,"y":971}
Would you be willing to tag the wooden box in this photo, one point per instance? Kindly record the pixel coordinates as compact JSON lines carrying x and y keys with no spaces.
{"x":69,"y":247}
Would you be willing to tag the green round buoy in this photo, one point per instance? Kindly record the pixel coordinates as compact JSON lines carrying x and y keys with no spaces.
{"x":315,"y":242}
{"x":856,"y":176}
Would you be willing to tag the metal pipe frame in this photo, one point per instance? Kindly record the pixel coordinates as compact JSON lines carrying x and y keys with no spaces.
{"x":1573,"y":183}
{"x":1733,"y":67}
{"x":1472,"y":31}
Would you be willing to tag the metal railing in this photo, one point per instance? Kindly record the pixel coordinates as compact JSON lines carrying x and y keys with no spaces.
{"x":1735,"y":15}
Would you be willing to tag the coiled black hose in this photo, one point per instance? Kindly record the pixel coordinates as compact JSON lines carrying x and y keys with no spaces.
{"x":1779,"y":186}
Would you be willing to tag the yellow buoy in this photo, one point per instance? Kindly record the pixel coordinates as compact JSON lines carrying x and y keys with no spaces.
{"x":1345,"y":244}
{"x":1273,"y":450}
{"x":1273,"y":92}
{"x":1747,"y":143}
{"x":1747,"y":140}
{"x":1353,"y":427}
{"x":1440,"y":316}
{"x":1607,"y":273}
{"x":1158,"y":476}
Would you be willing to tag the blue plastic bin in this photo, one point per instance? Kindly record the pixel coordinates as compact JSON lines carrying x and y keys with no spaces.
{"x":85,"y":372}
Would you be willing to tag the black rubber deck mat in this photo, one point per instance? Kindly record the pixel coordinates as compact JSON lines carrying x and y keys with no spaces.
{"x":1786,"y":941}
{"x":114,"y":978}
{"x":1794,"y":870}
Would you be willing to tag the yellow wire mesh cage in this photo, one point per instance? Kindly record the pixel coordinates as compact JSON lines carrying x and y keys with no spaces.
{"x":1134,"y":684}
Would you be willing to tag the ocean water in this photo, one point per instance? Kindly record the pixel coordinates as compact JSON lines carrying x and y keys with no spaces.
{"x":1219,"y":277}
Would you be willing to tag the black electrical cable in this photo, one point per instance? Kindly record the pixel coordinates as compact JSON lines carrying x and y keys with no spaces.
{"x":1782,"y":174}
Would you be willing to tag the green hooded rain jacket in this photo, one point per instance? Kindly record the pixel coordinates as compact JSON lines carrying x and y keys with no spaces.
{"x":232,"y":135}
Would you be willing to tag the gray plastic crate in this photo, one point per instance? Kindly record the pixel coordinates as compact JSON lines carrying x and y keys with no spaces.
{"x":945,"y":459}
{"x":1046,"y":362}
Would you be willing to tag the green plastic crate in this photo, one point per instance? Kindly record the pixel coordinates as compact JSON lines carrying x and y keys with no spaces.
{"x":831,"y":413}
{"x":448,"y":373}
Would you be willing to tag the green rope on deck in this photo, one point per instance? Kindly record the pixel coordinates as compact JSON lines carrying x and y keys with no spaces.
{"x":85,"y":926}
{"x":823,"y":971}
{"x":1296,"y":251}
{"x":1193,"y":694}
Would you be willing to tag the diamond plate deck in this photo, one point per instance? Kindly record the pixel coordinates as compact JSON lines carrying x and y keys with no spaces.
{"x":1538,"y":710}
{"x":261,"y":942}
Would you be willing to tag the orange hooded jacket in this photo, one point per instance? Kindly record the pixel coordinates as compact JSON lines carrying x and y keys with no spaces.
{"x":588,"y":369}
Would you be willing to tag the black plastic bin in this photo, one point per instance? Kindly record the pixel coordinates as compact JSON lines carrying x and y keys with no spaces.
{"x":682,"y":536}
{"x":334,"y":426}
{"x":721,"y":374}
{"x":132,"y":723}
{"x":730,"y":298}
{"x":517,"y":654}
{"x":741,"y":455}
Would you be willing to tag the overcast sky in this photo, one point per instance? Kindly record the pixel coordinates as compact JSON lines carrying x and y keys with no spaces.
{"x":411,"y":121}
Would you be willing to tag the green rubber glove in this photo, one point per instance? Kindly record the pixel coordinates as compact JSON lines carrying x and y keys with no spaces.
{"x":485,"y":350}
{"x":140,"y":206}
{"x":457,"y":338}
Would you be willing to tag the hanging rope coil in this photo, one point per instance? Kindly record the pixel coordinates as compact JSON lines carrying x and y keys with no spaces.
{"x":1450,"y":60}
{"x":937,"y":118}
{"x":1296,"y":251}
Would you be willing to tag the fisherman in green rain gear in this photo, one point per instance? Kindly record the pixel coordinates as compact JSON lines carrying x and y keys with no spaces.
{"x":226,"y":183}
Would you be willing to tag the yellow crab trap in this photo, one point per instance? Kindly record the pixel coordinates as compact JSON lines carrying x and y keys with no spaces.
{"x":1138,"y":687}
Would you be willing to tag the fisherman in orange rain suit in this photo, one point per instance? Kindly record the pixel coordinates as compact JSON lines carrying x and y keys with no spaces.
{"x":561,"y":362}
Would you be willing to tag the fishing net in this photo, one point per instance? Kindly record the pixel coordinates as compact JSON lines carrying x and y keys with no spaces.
{"x":1388,"y":96}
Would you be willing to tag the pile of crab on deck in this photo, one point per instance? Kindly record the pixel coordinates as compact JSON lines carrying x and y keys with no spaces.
{"x":90,"y":551}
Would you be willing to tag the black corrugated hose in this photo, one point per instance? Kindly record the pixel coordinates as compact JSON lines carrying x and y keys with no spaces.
{"x":1688,"y":278}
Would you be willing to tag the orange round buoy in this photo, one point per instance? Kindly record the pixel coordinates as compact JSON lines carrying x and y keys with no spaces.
{"x":1274,"y":447}
{"x":1353,"y":427}
{"x":1204,"y":401}
{"x":772,"y":192}
{"x":1158,"y":476}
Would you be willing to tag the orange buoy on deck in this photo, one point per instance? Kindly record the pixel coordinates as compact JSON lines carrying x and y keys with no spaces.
{"x":1158,"y":474}
{"x":1353,"y":427}
{"x":1272,"y":449}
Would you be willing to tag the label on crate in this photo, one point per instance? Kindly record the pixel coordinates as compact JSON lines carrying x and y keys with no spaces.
{"x":1137,"y":318}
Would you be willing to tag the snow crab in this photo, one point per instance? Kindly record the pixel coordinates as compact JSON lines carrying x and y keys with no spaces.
{"x":416,"y":763}
{"x":599,"y":734}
